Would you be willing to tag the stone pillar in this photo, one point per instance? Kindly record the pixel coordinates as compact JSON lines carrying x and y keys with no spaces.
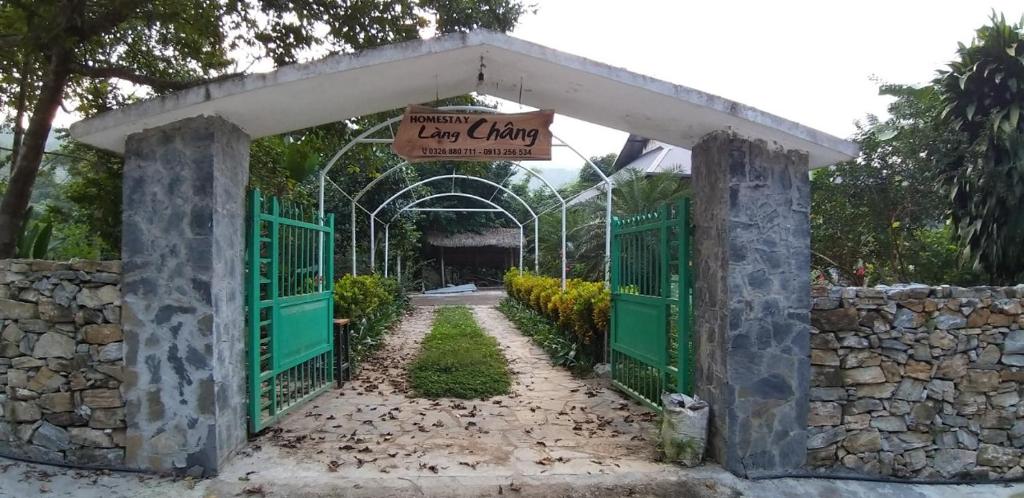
{"x":183,"y":250}
{"x":752,"y":300}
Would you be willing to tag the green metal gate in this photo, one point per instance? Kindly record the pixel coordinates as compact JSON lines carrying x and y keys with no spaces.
{"x":651,"y":296}
{"x":290,"y":308}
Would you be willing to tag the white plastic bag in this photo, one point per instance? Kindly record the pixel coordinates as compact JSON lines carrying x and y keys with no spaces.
{"x":684,"y":428}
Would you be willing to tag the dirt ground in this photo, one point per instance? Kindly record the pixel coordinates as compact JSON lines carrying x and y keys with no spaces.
{"x":550,"y":423}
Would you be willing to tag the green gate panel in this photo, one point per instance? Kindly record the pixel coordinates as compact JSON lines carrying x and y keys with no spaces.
{"x":641,"y":332}
{"x":290,"y":307}
{"x":307,"y":329}
{"x":651,"y":295}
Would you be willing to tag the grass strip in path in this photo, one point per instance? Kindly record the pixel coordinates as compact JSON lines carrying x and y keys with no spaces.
{"x":458,"y":359}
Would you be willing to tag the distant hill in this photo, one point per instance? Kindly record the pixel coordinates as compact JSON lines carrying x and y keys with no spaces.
{"x":7,"y":138}
{"x":557,"y":176}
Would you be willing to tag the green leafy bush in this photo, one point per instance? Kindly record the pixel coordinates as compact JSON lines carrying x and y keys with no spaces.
{"x":582,"y":309}
{"x":374,"y":304}
{"x":359,"y":296}
{"x":459,"y":360}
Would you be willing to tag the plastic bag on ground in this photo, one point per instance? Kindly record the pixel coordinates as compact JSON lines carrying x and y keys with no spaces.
{"x":684,"y":428}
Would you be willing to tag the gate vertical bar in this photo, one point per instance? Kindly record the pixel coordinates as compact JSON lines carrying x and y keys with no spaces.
{"x":275,"y":270}
{"x":663,"y":263}
{"x":373,"y":246}
{"x":328,"y":272}
{"x":607,"y":224}
{"x":252,"y":298}
{"x":685,"y":382}
{"x":521,"y":249}
{"x":614,"y":270}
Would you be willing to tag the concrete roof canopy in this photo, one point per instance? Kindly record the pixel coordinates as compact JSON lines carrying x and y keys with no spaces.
{"x":340,"y":87}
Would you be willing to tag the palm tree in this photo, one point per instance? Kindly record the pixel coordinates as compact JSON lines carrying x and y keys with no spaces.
{"x":983,"y":93}
{"x":636,"y":193}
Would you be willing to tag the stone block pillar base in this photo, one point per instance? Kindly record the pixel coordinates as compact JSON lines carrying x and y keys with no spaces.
{"x":752,"y":300}
{"x":183,"y":250}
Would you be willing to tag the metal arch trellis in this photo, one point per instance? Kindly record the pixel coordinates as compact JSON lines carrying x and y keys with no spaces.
{"x":382,"y":176}
{"x":373,"y":215}
{"x":413,"y":204}
{"x":366,"y":137}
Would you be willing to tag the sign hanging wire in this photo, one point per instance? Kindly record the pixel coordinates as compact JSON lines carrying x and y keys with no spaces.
{"x":480,"y":73}
{"x":522,"y":82}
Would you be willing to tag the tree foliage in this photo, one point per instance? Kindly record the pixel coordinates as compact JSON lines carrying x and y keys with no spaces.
{"x":585,"y":222}
{"x":588,"y":177}
{"x":868,"y":216}
{"x":91,"y":56}
{"x":88,"y":221}
{"x":982,"y":93}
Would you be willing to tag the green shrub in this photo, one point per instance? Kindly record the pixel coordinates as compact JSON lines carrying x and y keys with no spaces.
{"x":459,"y":360}
{"x":373,"y":304}
{"x":582,"y":309}
{"x":359,"y":296}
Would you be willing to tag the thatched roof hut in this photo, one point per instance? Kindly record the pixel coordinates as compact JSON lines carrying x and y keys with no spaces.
{"x":473,"y":257}
{"x":490,"y":237}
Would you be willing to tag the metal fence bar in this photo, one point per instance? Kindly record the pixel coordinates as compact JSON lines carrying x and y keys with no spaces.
{"x":684,"y":337}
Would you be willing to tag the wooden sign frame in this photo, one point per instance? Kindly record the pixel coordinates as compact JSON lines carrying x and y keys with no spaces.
{"x":428,"y":134}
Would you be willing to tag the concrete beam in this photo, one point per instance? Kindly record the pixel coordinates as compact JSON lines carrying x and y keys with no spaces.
{"x":345,"y":86}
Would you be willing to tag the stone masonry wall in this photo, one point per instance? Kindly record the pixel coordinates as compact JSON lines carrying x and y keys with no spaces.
{"x":918,"y":382}
{"x":61,"y":362}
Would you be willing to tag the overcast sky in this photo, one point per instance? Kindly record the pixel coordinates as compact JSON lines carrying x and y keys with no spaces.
{"x":813,"y":62}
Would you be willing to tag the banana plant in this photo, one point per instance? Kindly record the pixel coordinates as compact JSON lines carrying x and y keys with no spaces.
{"x":34,"y":239}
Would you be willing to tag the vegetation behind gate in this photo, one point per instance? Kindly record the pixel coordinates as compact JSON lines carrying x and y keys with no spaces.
{"x":374,"y":304}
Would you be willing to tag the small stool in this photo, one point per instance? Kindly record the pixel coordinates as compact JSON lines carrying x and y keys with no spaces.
{"x":342,"y":351}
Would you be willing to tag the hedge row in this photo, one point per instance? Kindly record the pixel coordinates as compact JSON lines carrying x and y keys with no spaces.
{"x":582,"y":309}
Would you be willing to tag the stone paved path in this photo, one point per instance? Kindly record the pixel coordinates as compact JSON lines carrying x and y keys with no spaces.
{"x":550,"y":424}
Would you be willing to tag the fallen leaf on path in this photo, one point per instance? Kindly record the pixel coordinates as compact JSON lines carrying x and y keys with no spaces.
{"x":253,"y":489}
{"x":360,"y":462}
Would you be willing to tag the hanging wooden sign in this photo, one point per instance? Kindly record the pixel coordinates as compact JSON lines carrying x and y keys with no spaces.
{"x":427,"y":134}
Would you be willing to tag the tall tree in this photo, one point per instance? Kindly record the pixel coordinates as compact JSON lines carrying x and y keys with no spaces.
{"x":982,"y":94}
{"x":92,"y":55}
{"x":868,"y":215}
{"x":605,"y":163}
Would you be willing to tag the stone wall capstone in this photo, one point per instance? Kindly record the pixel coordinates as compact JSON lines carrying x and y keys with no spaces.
{"x":61,"y":362}
{"x":917,"y":382}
